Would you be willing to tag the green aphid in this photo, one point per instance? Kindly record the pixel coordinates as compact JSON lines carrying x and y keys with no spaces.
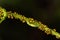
{"x":4,"y":14}
{"x":34,"y":23}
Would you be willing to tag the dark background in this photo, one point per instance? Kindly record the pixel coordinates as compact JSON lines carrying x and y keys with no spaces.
{"x":46,"y":11}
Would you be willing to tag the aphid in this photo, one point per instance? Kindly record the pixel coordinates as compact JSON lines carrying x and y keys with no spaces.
{"x":3,"y":14}
{"x":32,"y":22}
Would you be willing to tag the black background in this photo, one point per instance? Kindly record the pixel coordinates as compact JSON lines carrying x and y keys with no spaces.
{"x":46,"y":11}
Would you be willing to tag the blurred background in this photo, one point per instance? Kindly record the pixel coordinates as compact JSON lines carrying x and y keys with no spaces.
{"x":46,"y":11}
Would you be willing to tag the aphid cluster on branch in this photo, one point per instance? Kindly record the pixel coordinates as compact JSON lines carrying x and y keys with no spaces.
{"x":30,"y":21}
